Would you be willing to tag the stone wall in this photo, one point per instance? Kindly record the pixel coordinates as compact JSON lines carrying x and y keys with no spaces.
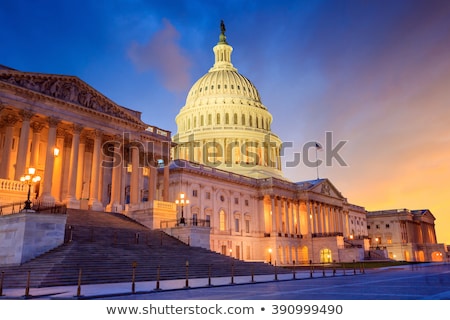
{"x":24,"y":236}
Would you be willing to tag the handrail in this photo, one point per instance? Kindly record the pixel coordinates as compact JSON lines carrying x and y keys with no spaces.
{"x":38,"y":206}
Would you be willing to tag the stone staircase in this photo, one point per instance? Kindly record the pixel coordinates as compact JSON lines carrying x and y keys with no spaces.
{"x":108,"y":247}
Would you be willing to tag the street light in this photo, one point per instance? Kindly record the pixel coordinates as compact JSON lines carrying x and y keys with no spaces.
{"x":30,"y":178}
{"x":182,"y":201}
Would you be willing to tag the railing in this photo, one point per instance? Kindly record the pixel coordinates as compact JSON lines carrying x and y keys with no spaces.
{"x":327,"y":234}
{"x":11,"y":208}
{"x":12,"y":185}
{"x":38,"y":206}
{"x":188,"y":223}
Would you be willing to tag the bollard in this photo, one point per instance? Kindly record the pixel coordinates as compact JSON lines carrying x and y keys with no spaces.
{"x":1,"y":283}
{"x":136,"y":238}
{"x":79,"y":283}
{"x":276,"y":273}
{"x":354,"y":267}
{"x":310,"y":269}
{"x":209,"y":276}
{"x":70,"y":233}
{"x":293,"y":270}
{"x":27,"y":288}
{"x":334,"y":270}
{"x":323,"y":270}
{"x":253,"y":274}
{"x":232,"y":272}
{"x":133,"y":278}
{"x":157,"y":278}
{"x":187,"y":274}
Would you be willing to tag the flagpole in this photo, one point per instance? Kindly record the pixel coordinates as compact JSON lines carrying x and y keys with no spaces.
{"x":318,"y":146}
{"x":317,"y":165}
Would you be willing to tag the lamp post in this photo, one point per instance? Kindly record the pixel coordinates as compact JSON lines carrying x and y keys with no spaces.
{"x":30,"y":178}
{"x":182,"y":201}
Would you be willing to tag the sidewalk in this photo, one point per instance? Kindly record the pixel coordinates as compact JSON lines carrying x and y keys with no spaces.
{"x":90,"y":291}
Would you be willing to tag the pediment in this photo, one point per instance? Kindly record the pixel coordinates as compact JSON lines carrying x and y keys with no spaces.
{"x":69,"y":89}
{"x":326,"y":188}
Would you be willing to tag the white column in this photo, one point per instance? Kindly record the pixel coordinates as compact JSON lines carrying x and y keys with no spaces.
{"x":273,"y":213}
{"x":71,"y":200}
{"x":9,"y":121}
{"x":166,"y":179}
{"x":94,"y":204}
{"x":22,"y":153}
{"x":46,"y":196}
{"x":116,"y":182}
{"x":134,"y":184}
{"x":34,"y":157}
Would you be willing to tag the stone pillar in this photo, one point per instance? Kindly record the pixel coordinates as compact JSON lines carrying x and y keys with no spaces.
{"x":273,"y":214}
{"x":134,"y":183}
{"x":116,"y":182}
{"x":152,"y":182}
{"x":8,"y":121}
{"x":287,"y":218}
{"x":22,"y":153}
{"x":46,"y":196}
{"x":94,"y":203}
{"x":34,"y":157}
{"x":166,"y":180}
{"x":71,"y":200}
{"x":81,"y":183}
{"x":58,"y":173}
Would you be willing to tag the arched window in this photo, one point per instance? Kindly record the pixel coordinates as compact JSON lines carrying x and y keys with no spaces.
{"x":202,"y":120}
{"x":218,"y":118}
{"x":235,"y":119}
{"x":227,"y":118}
{"x":243,"y":119}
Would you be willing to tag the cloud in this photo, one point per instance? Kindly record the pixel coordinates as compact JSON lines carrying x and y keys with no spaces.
{"x":163,"y":55}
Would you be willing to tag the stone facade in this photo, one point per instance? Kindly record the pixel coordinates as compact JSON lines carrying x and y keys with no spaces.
{"x":407,"y":235}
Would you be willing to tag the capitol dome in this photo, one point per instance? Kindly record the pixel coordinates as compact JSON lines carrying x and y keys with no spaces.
{"x":224,"y":124}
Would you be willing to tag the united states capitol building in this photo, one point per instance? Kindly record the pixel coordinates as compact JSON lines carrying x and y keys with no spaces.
{"x":217,"y":183}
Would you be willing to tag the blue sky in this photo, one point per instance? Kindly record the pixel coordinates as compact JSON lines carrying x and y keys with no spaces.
{"x":375,"y":73}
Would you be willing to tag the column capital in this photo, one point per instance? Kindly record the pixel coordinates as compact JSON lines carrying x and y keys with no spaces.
{"x":53,"y":122}
{"x":26,"y":115}
{"x":37,"y":126}
{"x":96,"y":134}
{"x":9,"y":119}
{"x":77,"y":128}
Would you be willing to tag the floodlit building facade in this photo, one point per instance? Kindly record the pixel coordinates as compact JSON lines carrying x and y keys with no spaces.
{"x":217,"y":184}
{"x":407,"y":235}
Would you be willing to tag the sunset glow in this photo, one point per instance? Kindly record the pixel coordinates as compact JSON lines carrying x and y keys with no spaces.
{"x":374,"y":73}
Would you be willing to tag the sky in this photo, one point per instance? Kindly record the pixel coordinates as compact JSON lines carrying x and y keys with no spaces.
{"x":372,"y":74}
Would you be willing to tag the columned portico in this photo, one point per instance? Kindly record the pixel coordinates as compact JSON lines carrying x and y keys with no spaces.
{"x":77,"y":175}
